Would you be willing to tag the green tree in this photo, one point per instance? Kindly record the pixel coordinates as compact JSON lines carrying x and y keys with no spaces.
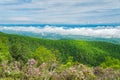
{"x":4,"y":49}
{"x":111,"y":62}
{"x":20,"y":52}
{"x":42,"y":54}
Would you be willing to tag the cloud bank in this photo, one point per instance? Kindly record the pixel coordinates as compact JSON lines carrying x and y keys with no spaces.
{"x":101,"y":32}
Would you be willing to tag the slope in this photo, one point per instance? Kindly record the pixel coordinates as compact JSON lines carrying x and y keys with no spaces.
{"x":90,"y":53}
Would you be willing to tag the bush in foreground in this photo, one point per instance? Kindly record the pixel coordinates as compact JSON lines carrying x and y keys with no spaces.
{"x":54,"y":71}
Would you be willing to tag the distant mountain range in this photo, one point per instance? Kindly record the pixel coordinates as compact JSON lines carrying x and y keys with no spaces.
{"x":53,"y":35}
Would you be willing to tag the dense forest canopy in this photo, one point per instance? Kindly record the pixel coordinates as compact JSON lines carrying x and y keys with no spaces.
{"x":87,"y":52}
{"x":66,"y":53}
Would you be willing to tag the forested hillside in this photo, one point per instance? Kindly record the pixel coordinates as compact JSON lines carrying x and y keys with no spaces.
{"x":65,"y":52}
{"x":87,"y":52}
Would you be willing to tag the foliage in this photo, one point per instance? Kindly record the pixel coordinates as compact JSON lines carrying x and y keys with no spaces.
{"x":26,"y":58}
{"x":42,"y":54}
{"x":30,"y":71}
{"x":4,"y":49}
{"x":91,"y":53}
{"x":111,"y":63}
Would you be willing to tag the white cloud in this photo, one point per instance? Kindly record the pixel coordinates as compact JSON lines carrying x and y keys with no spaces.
{"x":8,"y":1}
{"x":20,"y":19}
{"x":63,"y":11}
{"x":102,"y":32}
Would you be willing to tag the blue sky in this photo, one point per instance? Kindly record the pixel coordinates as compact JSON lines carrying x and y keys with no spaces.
{"x":60,"y":11}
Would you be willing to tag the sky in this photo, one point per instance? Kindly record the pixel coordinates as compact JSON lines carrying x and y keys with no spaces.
{"x":59,"y":11}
